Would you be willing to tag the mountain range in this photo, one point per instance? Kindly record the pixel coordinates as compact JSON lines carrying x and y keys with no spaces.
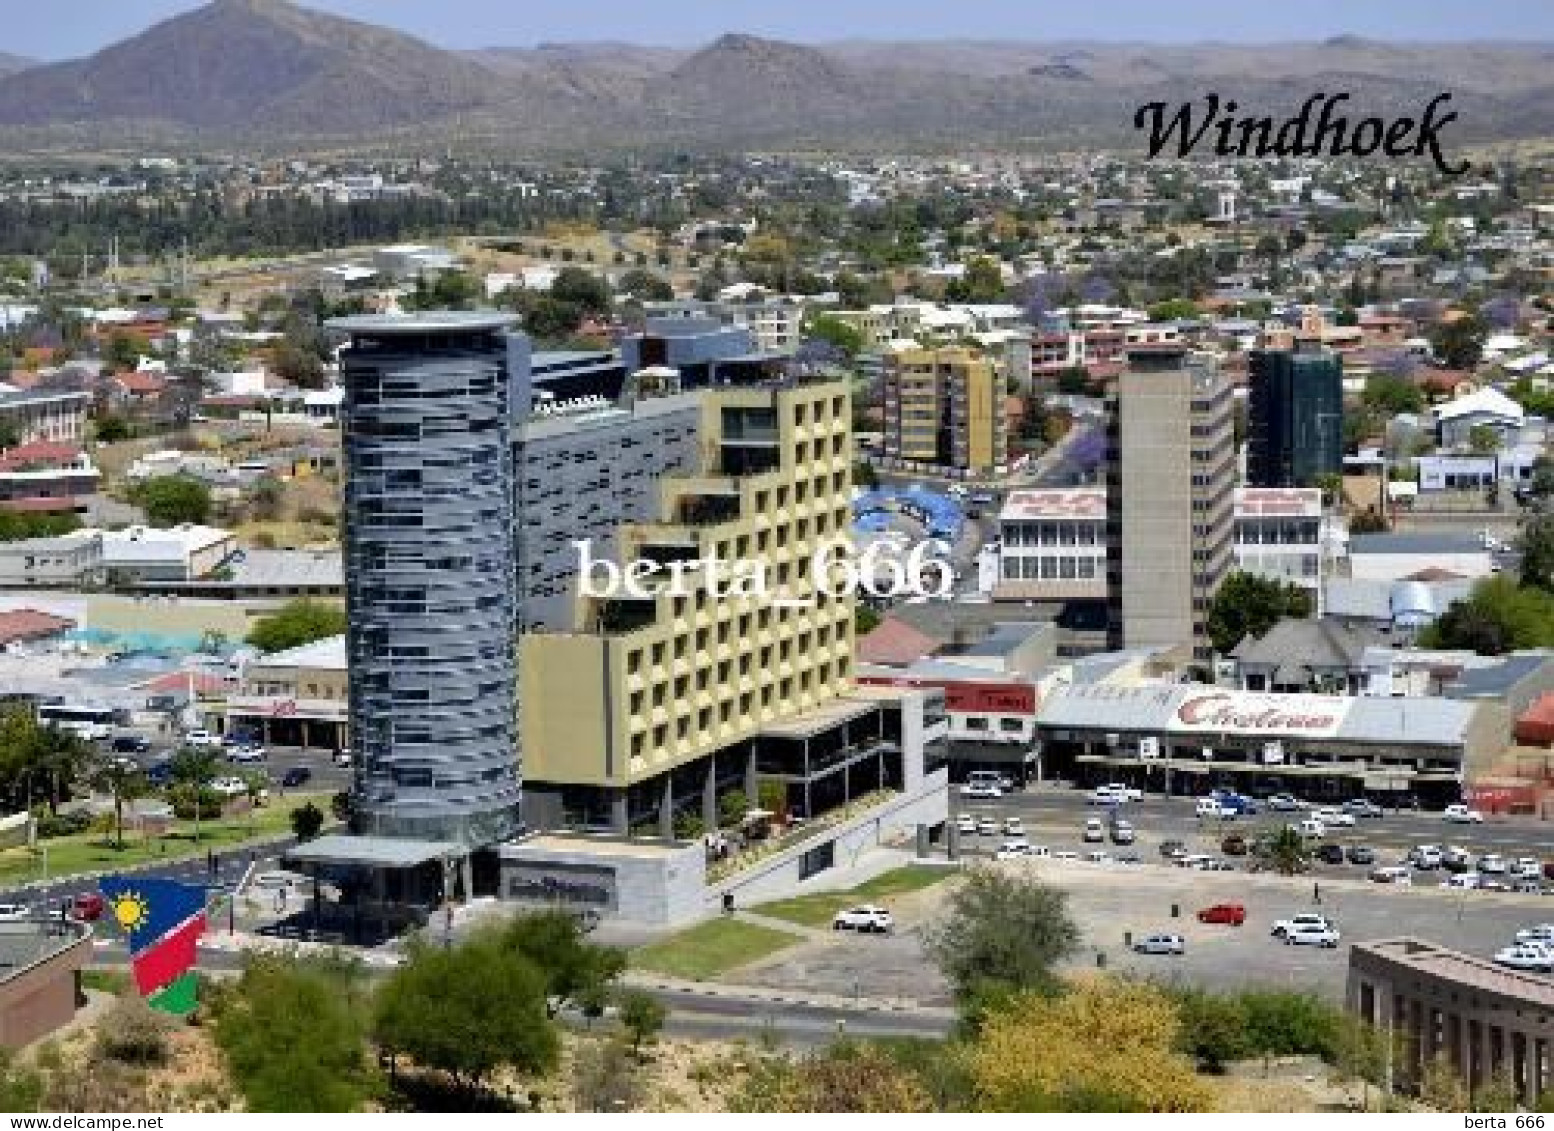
{"x":268,"y":71}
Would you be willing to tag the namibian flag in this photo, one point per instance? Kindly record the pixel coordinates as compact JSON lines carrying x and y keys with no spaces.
{"x":163,"y":920}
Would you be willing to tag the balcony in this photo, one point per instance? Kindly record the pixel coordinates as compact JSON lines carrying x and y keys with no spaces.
{"x":707,"y":510}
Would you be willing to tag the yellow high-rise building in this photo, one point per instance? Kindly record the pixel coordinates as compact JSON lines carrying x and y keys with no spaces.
{"x":945,"y":408}
{"x":646,"y":687}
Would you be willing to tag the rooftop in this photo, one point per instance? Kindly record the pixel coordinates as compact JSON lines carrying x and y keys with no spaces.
{"x":425,"y":322}
{"x":1279,"y":502}
{"x":328,"y":653}
{"x":1465,"y":969}
{"x":1415,"y":544}
{"x":1078,"y":502}
{"x":373,"y":851}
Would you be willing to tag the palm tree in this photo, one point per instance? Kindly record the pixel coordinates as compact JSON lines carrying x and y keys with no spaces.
{"x":1285,"y":851}
{"x":255,"y":786}
{"x":122,"y":781}
{"x":196,"y":768}
{"x":62,"y":757}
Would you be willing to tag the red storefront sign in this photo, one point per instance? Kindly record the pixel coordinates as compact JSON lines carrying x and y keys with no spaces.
{"x":963,"y":697}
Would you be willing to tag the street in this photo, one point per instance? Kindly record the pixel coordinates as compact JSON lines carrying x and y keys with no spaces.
{"x":1059,"y":814}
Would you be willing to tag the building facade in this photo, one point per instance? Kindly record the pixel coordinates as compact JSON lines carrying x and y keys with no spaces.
{"x":1279,"y":535}
{"x":1295,"y":416}
{"x":1170,"y":478}
{"x":626,"y":715}
{"x":428,"y":554}
{"x":1052,"y":545}
{"x":944,"y":408}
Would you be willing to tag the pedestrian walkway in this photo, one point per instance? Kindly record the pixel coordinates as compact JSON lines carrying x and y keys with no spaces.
{"x":773,"y":923}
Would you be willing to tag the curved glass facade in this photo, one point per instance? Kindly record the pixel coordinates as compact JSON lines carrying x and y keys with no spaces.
{"x":429,"y":578}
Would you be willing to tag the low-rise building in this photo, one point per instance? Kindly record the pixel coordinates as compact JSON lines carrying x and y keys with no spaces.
{"x":47,"y":477}
{"x":65,"y":561}
{"x":1279,"y":534}
{"x":1052,"y":545}
{"x":1397,"y":557}
{"x":183,"y":553}
{"x":33,"y":415}
{"x":294,"y":698}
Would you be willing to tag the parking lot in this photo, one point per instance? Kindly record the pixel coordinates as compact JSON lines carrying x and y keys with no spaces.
{"x":1111,"y":901}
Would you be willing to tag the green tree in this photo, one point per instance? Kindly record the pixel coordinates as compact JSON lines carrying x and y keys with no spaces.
{"x":296,"y":623}
{"x":1172,"y":310}
{"x":1248,"y":604}
{"x":1003,"y":933}
{"x":555,"y":944}
{"x":643,"y":1016}
{"x":1391,"y":394}
{"x":125,"y":349}
{"x":834,"y":331}
{"x":645,"y":286}
{"x":732,"y":807}
{"x":865,"y":620}
{"x":1213,"y":1028}
{"x":848,"y":1077}
{"x":1538,"y":553}
{"x":306,"y":821}
{"x":111,"y":429}
{"x":292,"y":1041}
{"x":298,"y":364}
{"x":1483,"y":440}
{"x":982,"y":281}
{"x":1460,"y":342}
{"x":864,"y":476}
{"x":196,"y":768}
{"x":467,"y":1011}
{"x":1284,"y":850}
{"x":1497,"y":617}
{"x":583,"y":289}
{"x":123,"y":782}
{"x":1369,"y":521}
{"x":171,"y":500}
{"x":1364,"y":1052}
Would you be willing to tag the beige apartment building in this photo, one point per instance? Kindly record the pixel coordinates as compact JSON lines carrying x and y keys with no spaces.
{"x":1171,"y":481}
{"x":651,"y":700}
{"x":945,"y":408}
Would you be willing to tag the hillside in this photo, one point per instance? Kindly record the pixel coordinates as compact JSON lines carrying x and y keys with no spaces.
{"x":269,"y":71}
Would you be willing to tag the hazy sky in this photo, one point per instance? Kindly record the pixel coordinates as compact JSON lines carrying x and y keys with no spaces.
{"x":39,"y":30}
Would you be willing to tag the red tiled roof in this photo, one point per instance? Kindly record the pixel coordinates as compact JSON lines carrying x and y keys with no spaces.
{"x":40,"y":451}
{"x":143,"y":383}
{"x":1536,"y":725}
{"x":42,"y":504}
{"x":895,"y":643}
{"x":205,"y":683}
{"x":30,"y":624}
{"x":1434,"y":573}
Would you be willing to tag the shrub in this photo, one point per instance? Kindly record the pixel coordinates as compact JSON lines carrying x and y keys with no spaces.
{"x":134,"y":1033}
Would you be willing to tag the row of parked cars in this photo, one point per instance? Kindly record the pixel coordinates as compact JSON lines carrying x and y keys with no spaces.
{"x":1297,"y":930}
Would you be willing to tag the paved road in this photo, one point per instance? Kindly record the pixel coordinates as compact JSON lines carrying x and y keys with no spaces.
{"x":1063,"y":813}
{"x":230,"y":864}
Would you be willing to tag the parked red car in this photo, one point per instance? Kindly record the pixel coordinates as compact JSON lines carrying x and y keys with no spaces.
{"x":88,"y":907}
{"x":1231,"y":913}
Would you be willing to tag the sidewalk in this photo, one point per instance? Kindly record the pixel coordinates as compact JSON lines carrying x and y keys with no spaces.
{"x":765,"y":995}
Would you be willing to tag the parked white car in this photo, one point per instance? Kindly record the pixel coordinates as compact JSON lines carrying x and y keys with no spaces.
{"x":202,"y":740}
{"x":1013,"y":850}
{"x":865,"y":918}
{"x":1526,"y":956}
{"x":1095,"y":830}
{"x":1311,"y":829}
{"x":1391,"y":874}
{"x":1543,"y":933}
{"x":246,"y":755}
{"x":1282,"y":927}
{"x":1492,"y":864}
{"x":1331,"y":818}
{"x":1126,"y":792}
{"x":1104,"y":795}
{"x":1426,"y":856}
{"x":1462,"y":815}
{"x":1161,"y":942}
{"x":1462,"y":881}
{"x":1313,"y":936}
{"x":1013,"y":826}
{"x":1528,"y":868}
{"x":1210,"y":807}
{"x":966,"y":825}
{"x":14,"y":912}
{"x":984,"y":790}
